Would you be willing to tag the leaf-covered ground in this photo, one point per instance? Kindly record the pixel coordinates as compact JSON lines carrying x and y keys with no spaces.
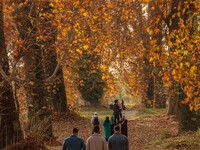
{"x":141,"y":130}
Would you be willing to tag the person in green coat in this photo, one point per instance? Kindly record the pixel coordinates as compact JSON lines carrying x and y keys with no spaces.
{"x":107,"y":128}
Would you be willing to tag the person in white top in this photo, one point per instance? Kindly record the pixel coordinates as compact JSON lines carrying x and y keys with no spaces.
{"x":95,"y":121}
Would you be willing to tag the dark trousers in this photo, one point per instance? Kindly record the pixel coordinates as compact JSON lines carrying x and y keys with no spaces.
{"x":120,"y":113}
{"x":116,"y":119}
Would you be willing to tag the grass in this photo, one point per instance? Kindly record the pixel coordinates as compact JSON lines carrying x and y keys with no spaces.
{"x":189,"y":141}
{"x":151,"y":111}
{"x":88,"y":112}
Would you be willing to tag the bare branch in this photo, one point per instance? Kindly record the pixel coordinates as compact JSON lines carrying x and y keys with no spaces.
{"x":4,"y":74}
{"x":11,"y":77}
{"x":54,"y":73}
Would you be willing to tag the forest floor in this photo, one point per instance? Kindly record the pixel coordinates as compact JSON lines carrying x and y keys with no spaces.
{"x":144,"y":126}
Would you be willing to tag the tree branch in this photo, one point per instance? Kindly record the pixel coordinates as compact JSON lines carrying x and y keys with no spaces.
{"x":54,"y":73}
{"x":4,"y":74}
{"x":11,"y":77}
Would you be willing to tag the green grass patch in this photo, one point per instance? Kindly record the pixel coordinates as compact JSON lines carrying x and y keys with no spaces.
{"x":183,"y":142}
{"x":89,"y":112}
{"x":151,"y":111}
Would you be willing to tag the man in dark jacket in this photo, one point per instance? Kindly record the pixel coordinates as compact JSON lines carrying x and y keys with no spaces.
{"x":74,"y":142}
{"x":118,"y":141}
{"x":116,"y":112}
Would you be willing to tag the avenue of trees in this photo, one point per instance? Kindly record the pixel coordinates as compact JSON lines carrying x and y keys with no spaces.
{"x":55,"y":52}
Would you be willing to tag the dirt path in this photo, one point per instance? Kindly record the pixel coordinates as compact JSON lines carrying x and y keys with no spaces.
{"x":130,"y":114}
{"x":140,"y":130}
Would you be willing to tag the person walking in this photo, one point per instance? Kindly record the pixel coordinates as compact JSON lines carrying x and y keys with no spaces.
{"x":120,"y":110}
{"x":123,"y":106}
{"x":74,"y":142}
{"x":116,"y":112}
{"x":118,"y":141}
{"x":107,"y":128}
{"x":112,"y":125}
{"x":96,"y":141}
{"x":95,"y":120}
{"x":124,"y":126}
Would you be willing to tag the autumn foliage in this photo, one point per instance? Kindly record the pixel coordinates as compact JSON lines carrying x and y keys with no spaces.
{"x":61,"y":51}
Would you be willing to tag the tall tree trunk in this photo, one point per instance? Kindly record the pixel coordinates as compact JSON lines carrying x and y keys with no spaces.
{"x":188,"y":120}
{"x":10,"y":129}
{"x":158,"y":90}
{"x":56,"y":88}
{"x":147,"y":78}
{"x":172,"y":101}
{"x":39,"y":109}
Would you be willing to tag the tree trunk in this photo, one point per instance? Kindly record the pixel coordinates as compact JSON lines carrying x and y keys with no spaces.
{"x":56,"y":88}
{"x":172,"y":102}
{"x":39,"y":110}
{"x":147,"y":66}
{"x":159,"y":91}
{"x":10,"y":129}
{"x":188,"y":120}
{"x":159,"y":99}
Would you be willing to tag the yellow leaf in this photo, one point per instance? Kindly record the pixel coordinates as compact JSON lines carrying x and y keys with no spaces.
{"x":197,"y":107}
{"x":181,"y":65}
{"x":79,"y":51}
{"x":185,"y":52}
{"x":193,"y":69}
{"x":178,"y":41}
{"x":187,"y":64}
{"x":30,"y":105}
{"x":150,"y":31}
{"x":51,"y":4}
{"x":170,"y":43}
{"x":95,"y":17}
{"x":151,"y":59}
{"x":85,"y":47}
{"x":85,"y":14}
{"x":174,"y":72}
{"x":103,"y":77}
{"x":191,"y":107}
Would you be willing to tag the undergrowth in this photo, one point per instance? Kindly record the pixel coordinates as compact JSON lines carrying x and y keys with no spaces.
{"x":151,"y":111}
{"x":185,"y":141}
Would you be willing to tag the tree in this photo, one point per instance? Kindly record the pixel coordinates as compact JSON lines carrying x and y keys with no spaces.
{"x":39,"y":110}
{"x":53,"y":69}
{"x":181,"y":53}
{"x":183,"y":10}
{"x":156,"y":48}
{"x":90,"y":83}
{"x":10,"y":129}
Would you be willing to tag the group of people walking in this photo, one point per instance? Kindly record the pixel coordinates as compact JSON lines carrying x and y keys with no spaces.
{"x":115,"y":133}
